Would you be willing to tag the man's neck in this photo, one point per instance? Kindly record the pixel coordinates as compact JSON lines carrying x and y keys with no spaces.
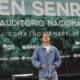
{"x":46,"y":44}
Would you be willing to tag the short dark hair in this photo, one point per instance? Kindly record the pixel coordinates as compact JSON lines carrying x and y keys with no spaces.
{"x":43,"y":33}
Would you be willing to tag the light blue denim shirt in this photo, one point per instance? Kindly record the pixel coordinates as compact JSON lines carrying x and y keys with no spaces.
{"x":40,"y":57}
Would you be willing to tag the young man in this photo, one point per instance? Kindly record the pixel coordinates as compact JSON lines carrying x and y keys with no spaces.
{"x":47,"y":59}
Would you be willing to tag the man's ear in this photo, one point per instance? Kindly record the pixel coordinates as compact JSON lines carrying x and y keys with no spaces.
{"x":41,"y":39}
{"x":49,"y":38}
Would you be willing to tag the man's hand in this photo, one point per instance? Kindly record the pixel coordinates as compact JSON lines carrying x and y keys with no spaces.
{"x":43,"y":65}
{"x":53,"y":66}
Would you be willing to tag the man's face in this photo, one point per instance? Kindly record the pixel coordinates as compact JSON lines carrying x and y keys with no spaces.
{"x":45,"y":38}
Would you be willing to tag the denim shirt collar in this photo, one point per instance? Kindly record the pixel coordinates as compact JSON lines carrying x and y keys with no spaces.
{"x":51,"y":48}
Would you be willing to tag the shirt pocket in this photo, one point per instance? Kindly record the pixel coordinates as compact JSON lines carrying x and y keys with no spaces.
{"x":45,"y":68}
{"x":53,"y":68}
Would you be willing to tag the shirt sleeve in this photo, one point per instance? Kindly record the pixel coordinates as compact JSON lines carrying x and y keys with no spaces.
{"x":35,"y":60}
{"x":57,"y":61}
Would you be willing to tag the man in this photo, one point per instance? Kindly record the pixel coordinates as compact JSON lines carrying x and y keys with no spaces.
{"x":47,"y":59}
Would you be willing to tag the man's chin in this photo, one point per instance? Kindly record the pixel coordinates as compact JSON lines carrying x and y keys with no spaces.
{"x":46,"y":42}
